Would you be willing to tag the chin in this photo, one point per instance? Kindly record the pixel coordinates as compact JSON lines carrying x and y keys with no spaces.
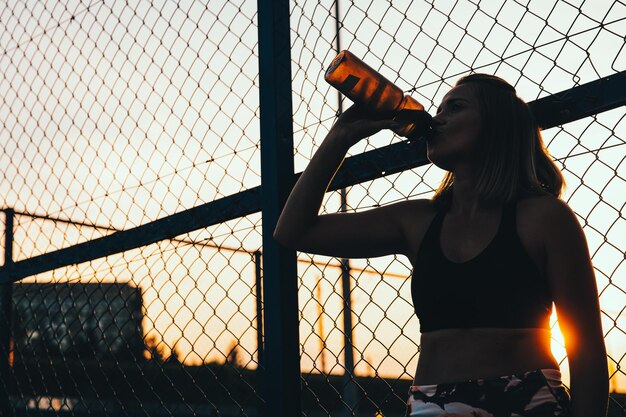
{"x":440,"y":161}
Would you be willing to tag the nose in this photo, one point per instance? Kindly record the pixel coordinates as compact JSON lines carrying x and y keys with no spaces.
{"x":436,"y":123}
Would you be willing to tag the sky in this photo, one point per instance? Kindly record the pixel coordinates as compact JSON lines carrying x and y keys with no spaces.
{"x":116,"y":115}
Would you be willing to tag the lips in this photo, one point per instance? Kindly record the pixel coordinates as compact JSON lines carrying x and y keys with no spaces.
{"x":436,"y":128}
{"x":433,"y":134}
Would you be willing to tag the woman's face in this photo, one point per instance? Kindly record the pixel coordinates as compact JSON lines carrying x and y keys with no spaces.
{"x":457,"y":127}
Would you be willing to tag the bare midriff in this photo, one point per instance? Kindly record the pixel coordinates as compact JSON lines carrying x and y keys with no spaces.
{"x":455,"y":355}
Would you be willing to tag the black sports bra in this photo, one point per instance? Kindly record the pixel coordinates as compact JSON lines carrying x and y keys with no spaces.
{"x":501,"y":287}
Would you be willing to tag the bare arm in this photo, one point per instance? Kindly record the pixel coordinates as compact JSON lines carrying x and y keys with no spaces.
{"x":375,"y":232}
{"x":573,"y":283}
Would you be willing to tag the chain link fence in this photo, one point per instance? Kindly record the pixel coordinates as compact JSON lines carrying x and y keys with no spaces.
{"x":116,"y":116}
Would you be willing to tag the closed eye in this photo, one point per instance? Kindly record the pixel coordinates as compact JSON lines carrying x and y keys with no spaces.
{"x":453,"y":105}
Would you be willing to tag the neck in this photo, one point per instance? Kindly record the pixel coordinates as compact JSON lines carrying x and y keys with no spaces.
{"x":465,"y":200}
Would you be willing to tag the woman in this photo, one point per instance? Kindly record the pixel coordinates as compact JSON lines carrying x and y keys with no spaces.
{"x":491,"y":252}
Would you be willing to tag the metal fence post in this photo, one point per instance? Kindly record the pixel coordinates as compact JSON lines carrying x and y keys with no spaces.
{"x":259,"y":310}
{"x":6,"y":307}
{"x":349,"y":387}
{"x":281,"y":376}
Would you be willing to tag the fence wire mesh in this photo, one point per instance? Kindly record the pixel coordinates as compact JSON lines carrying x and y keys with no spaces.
{"x":117,"y":114}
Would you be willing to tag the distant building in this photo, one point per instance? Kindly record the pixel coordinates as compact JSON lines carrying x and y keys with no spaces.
{"x":76,"y":320}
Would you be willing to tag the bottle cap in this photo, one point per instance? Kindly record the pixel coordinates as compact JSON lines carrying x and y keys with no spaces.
{"x":335,"y":63}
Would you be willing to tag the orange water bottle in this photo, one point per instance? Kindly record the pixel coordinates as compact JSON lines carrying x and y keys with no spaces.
{"x":365,"y":86}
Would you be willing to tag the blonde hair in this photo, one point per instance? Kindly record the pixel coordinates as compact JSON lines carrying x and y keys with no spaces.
{"x":513,"y":161}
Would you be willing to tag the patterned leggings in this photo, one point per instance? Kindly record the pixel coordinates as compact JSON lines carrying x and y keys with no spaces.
{"x":537,"y":393}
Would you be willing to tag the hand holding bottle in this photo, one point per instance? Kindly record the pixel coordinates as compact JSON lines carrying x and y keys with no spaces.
{"x":359,"y":122}
{"x":372,"y":91}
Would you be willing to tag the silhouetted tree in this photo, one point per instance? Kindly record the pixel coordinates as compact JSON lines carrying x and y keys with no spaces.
{"x":154,"y":349}
{"x":234,"y":355}
{"x":175,"y":355}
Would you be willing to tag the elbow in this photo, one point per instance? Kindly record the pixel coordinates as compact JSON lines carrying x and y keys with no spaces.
{"x":291,"y":236}
{"x":278,"y":237}
{"x":283,"y":238}
{"x":289,"y":240}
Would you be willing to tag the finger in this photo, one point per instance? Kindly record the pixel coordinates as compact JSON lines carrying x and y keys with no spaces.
{"x":385,"y":124}
{"x":371,"y":127}
{"x":358,"y":112}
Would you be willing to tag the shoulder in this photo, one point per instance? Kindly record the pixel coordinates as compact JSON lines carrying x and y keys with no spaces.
{"x":545,"y":212}
{"x":411,"y":208}
{"x":421,"y":205}
{"x":548,"y":219}
{"x":416,"y":210}
{"x":412,"y":213}
{"x":408,"y":215}
{"x":415,"y":217}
